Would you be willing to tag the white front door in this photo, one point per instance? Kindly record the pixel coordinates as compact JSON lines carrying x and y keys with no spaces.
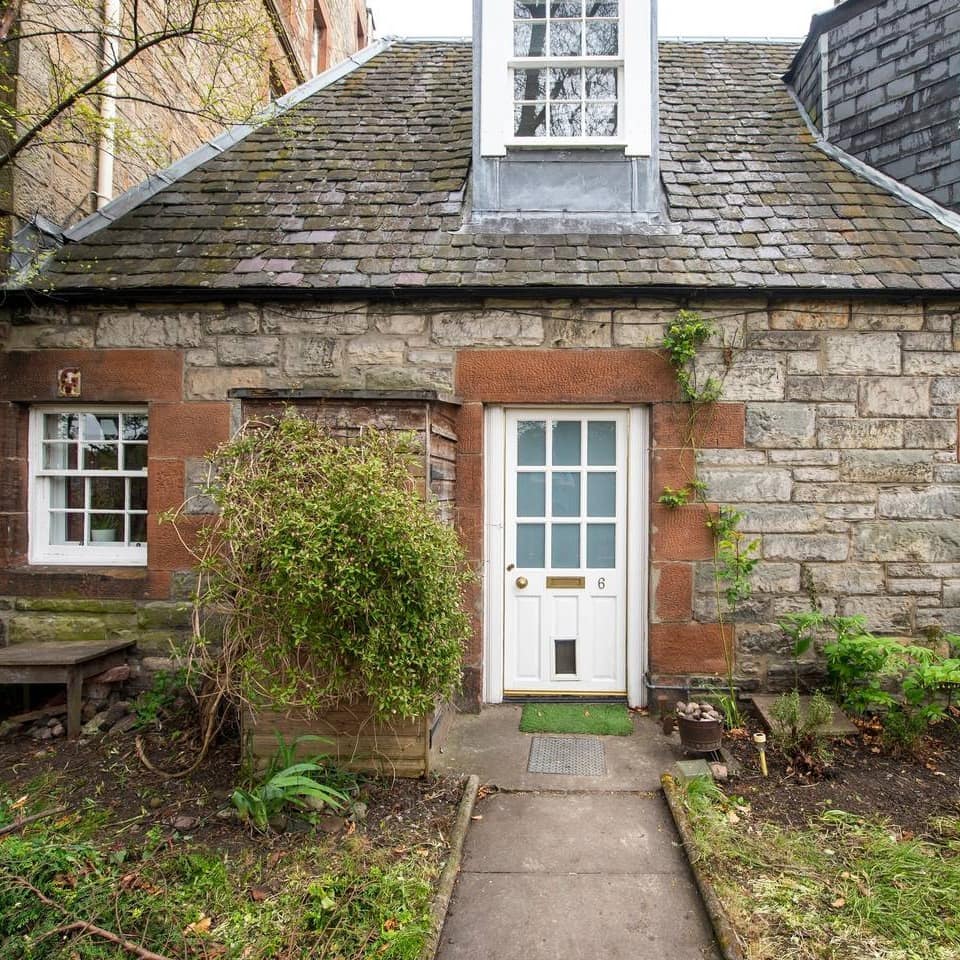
{"x":565,"y":552}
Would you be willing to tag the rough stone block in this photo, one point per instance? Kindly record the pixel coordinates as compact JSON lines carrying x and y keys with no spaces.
{"x":932,"y":541}
{"x":166,"y":615}
{"x":376,"y":350}
{"x":324,"y":321}
{"x":248,"y":351}
{"x":806,"y":458}
{"x":401,"y":324}
{"x":930,"y":503}
{"x":881,"y":316}
{"x":803,"y":364}
{"x":811,"y":315}
{"x":310,"y":355}
{"x":584,"y":332}
{"x":753,"y":375}
{"x":936,"y":364}
{"x":895,"y":397}
{"x":862,"y":354}
{"x":819,"y":546}
{"x":846,"y":579}
{"x":861,"y":434}
{"x":917,"y":587}
{"x":886,"y":466}
{"x":827,"y":389}
{"x":945,"y":390}
{"x":779,"y":518}
{"x":71,"y":605}
{"x":930,"y":434}
{"x":243,"y":320}
{"x":762,"y":638}
{"x":739,"y":485}
{"x":834,"y":493}
{"x":680,"y":534}
{"x":672,"y":591}
{"x":893,"y":614}
{"x":780,"y":425}
{"x":150,"y":330}
{"x":492,"y":328}
{"x":212,"y":383}
{"x":36,"y":628}
{"x":816,"y":474}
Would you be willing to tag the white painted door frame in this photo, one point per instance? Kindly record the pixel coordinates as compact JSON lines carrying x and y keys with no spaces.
{"x":494,"y":480}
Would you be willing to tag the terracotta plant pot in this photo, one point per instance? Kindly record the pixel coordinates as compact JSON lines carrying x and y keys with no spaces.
{"x":700,"y":736}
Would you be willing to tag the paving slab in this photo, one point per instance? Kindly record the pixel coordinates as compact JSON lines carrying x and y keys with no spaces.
{"x":491,"y":745}
{"x":575,"y":917}
{"x":839,"y":726}
{"x":574,"y":833}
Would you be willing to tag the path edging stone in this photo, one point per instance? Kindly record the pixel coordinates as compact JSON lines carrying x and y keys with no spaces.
{"x":726,"y":933}
{"x":448,"y":877}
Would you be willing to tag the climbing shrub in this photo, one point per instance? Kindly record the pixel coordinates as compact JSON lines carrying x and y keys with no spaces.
{"x":329,"y":577}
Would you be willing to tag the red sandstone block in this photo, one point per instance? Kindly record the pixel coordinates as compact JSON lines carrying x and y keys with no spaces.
{"x":470,"y":428}
{"x":680,"y":534}
{"x":565,"y":376}
{"x":673,"y":467}
{"x":719,"y":425}
{"x":673,"y":592}
{"x":188,"y":429}
{"x":688,"y":648}
{"x":107,"y":376}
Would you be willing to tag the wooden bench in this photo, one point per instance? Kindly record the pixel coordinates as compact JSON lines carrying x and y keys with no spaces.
{"x":67,"y":662}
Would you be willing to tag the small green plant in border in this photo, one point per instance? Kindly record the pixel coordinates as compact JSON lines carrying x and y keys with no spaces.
{"x":294,"y":786}
{"x":801,"y":629}
{"x":166,"y":687}
{"x":800,"y":734}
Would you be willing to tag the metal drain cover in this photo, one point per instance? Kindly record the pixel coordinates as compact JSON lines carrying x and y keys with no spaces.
{"x":573,"y":756}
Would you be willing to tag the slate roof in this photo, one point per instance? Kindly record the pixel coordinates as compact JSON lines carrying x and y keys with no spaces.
{"x":364,"y":186}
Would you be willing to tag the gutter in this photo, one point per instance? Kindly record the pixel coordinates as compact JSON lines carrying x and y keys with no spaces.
{"x":15,"y":296}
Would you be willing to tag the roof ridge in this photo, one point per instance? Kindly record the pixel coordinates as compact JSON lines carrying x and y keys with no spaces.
{"x":156,"y":182}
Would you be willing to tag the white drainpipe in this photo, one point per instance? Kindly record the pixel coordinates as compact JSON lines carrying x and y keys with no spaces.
{"x":108,"y":103}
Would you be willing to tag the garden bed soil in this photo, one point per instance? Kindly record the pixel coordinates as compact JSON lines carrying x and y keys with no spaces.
{"x":108,"y":773}
{"x":863,"y":778}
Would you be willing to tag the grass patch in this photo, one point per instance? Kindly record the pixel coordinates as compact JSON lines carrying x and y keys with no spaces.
{"x":600,"y":719}
{"x":845,"y":888}
{"x":350,"y":898}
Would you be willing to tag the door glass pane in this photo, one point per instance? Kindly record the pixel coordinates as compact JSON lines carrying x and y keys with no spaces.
{"x":565,"y":549}
{"x":565,"y":657}
{"x":532,"y":443}
{"x":602,"y":495}
{"x":566,"y":494}
{"x":531,"y":552}
{"x":566,"y":443}
{"x":601,"y":443}
{"x":531,"y":494}
{"x":601,"y":546}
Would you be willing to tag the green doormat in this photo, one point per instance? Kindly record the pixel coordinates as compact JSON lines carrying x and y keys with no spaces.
{"x":600,"y":719}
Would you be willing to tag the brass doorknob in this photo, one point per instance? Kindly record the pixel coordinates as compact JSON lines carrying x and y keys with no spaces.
{"x":522,"y":583}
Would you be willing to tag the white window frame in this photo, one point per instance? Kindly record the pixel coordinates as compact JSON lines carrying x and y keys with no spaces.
{"x":635,"y":82}
{"x":41,"y":551}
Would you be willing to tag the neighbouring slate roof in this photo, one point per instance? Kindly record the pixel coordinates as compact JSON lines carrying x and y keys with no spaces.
{"x":364,"y":185}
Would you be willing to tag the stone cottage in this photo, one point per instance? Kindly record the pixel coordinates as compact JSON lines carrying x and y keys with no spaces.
{"x":487,"y":242}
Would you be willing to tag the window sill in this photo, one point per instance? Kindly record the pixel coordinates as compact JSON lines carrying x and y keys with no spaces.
{"x":78,"y":570}
{"x":564,"y":143}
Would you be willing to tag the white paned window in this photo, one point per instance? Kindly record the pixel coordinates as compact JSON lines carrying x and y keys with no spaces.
{"x":566,"y":73}
{"x":88,"y":485}
{"x":566,"y":69}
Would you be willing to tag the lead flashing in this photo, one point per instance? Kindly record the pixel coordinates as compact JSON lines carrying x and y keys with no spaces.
{"x":901,"y":191}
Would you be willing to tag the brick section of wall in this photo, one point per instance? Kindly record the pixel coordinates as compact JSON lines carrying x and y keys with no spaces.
{"x":837,"y":436}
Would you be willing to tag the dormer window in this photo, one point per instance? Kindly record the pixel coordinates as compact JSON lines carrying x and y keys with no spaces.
{"x":566,"y":73}
{"x":566,"y":69}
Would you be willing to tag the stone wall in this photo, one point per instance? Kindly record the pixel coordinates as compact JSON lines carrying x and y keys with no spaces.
{"x":836,"y":437}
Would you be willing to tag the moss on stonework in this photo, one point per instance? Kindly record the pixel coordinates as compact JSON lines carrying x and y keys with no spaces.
{"x":68,"y":605}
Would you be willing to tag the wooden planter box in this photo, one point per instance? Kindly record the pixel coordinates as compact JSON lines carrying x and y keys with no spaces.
{"x":400,"y":748}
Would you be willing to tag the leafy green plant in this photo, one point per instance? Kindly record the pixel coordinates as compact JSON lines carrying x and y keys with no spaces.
{"x":333,"y":579}
{"x":166,"y":687}
{"x":801,"y":629}
{"x":674,"y":499}
{"x":291,"y":787}
{"x":800,"y":734}
{"x":684,"y":338}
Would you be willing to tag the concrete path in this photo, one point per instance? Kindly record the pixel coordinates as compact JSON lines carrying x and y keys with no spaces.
{"x":584,"y":872}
